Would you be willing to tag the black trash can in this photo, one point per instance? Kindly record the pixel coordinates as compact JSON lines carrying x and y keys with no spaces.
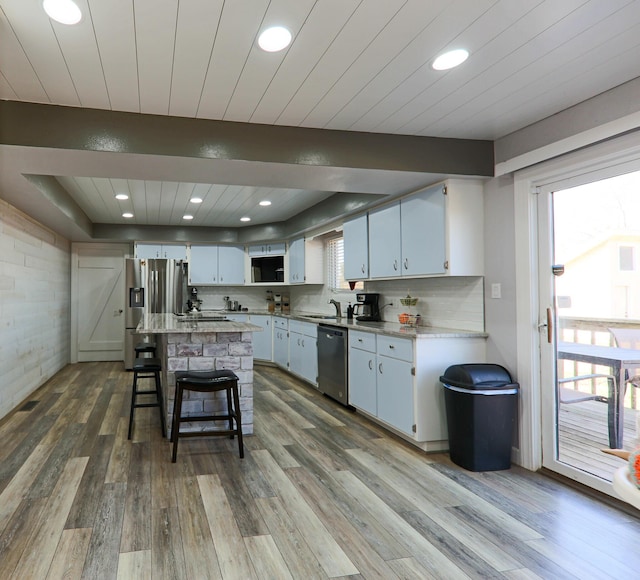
{"x":481,"y":404}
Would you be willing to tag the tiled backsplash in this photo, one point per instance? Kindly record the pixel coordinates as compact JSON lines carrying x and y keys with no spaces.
{"x":456,"y":302}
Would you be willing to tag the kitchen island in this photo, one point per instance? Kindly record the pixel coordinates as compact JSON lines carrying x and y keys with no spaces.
{"x":202,"y":342}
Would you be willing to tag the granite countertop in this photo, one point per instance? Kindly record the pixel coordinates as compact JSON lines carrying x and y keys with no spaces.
{"x":388,"y":328}
{"x":201,"y":322}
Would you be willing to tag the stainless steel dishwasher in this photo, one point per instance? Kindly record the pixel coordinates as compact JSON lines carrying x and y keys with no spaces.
{"x":332,"y":363}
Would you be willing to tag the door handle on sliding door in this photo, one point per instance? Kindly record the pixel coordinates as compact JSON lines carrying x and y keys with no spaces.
{"x":548,"y":325}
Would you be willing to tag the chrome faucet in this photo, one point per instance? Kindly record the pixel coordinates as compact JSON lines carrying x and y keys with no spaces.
{"x":338,"y":308}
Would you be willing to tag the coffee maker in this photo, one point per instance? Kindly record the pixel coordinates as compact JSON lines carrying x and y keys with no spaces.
{"x":367,"y":308}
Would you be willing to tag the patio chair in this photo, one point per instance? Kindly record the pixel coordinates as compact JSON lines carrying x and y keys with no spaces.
{"x":628,"y":338}
{"x":569,"y":396}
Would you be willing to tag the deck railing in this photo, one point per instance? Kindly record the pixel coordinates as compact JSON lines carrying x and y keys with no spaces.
{"x":592,"y":331}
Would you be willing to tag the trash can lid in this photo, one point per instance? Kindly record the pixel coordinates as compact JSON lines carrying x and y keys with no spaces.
{"x":478,"y":376}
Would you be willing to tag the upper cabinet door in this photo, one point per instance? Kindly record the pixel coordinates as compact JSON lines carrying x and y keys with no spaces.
{"x":296,"y":261}
{"x":203,"y":265}
{"x":384,"y":242}
{"x":231,"y":265}
{"x":267,"y":249}
{"x":422,"y":219}
{"x":148,"y":251}
{"x":170,"y":251}
{"x":356,"y":248}
{"x":174,"y":251}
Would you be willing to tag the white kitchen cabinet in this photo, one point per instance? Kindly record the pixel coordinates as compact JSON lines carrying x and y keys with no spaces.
{"x":209,"y":265}
{"x":303,"y":350}
{"x":237,"y":317}
{"x":397,"y":381}
{"x":435,"y":232}
{"x":169,"y":251}
{"x":394,"y":363}
{"x":422,"y":232}
{"x":231,"y":264}
{"x":263,"y":340}
{"x":385,"y":251}
{"x":296,"y":261}
{"x":305,"y":262}
{"x":281,"y":342}
{"x":407,"y":238}
{"x":356,"y":248}
{"x":363,"y":392}
{"x":267,"y":249}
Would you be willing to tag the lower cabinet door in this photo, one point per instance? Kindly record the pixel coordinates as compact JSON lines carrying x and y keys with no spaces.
{"x":296,"y":357}
{"x":262,"y":341}
{"x":310,"y":359}
{"x":281,"y":348}
{"x":395,"y":393}
{"x":362,"y":380}
{"x":303,"y":356}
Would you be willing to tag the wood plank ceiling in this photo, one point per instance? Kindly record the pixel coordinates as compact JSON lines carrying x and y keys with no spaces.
{"x":355,"y":65}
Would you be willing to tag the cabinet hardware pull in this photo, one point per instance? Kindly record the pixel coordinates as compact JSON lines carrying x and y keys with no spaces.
{"x":370,"y":365}
{"x":362,"y":268}
{"x":406,"y":263}
{"x":391,"y":346}
{"x":395,"y":265}
{"x":380,"y":368}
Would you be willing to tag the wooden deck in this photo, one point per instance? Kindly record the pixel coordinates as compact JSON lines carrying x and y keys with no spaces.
{"x":583,"y":433}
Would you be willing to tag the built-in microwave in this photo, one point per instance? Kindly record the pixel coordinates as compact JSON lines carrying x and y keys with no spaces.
{"x":267,"y":269}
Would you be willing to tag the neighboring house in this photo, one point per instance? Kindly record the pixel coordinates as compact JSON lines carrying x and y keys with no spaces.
{"x":603,"y":281}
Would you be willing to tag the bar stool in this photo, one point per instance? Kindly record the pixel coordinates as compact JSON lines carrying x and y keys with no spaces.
{"x":143,"y":347}
{"x":207,"y":382}
{"x":147,"y":368}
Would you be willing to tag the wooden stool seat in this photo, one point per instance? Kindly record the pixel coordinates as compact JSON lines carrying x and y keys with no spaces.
{"x":147,"y":368}
{"x":208,"y":382}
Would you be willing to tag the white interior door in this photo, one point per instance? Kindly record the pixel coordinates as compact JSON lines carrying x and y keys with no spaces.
{"x":99,"y":301}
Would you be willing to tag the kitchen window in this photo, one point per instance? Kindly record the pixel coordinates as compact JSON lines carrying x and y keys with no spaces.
{"x":334,"y":252}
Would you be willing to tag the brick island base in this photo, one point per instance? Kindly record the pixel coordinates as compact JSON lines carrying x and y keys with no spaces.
{"x":207,"y":351}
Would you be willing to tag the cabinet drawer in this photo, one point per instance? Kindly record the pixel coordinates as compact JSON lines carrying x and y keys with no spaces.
{"x":362,"y":340}
{"x":281,"y":323}
{"x":400,"y":348}
{"x":306,"y":328}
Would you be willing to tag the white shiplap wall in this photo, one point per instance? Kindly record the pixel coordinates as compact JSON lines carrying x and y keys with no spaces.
{"x":34,"y":309}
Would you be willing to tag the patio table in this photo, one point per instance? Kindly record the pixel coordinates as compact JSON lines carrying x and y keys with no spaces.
{"x":618,"y":360}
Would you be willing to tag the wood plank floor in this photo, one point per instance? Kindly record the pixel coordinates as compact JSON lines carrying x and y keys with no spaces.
{"x":321,"y":493}
{"x":582,"y":433}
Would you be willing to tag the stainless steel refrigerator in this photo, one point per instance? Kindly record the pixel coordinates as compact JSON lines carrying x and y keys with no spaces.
{"x":153,"y":286}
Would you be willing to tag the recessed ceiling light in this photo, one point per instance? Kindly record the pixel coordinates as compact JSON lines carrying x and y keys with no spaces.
{"x":62,"y":11}
{"x":196,"y":200}
{"x":122,"y":196}
{"x":245,"y":219}
{"x":274,"y":39}
{"x":450,"y":59}
{"x":187,"y":217}
{"x":265,"y":202}
{"x":127,"y":214}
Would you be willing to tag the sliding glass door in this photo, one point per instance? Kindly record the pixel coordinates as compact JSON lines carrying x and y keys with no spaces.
{"x":589,"y":274}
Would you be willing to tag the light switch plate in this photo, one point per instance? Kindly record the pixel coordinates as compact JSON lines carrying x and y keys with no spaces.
{"x":496,"y":290}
